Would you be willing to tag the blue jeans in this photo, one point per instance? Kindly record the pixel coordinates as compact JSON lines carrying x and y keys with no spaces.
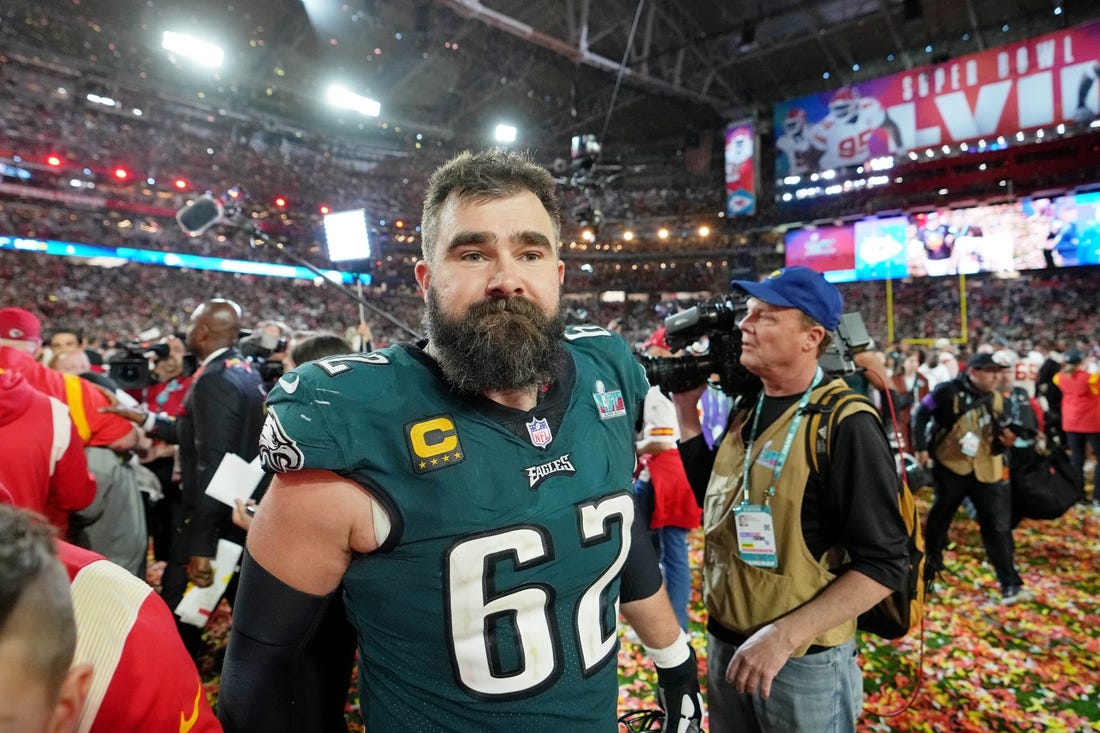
{"x":672,"y":550}
{"x":815,"y":693}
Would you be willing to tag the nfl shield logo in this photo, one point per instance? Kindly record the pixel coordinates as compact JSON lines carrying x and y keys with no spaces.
{"x":539,"y":430}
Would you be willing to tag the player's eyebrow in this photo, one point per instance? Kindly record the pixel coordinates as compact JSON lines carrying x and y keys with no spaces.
{"x":526,"y":236}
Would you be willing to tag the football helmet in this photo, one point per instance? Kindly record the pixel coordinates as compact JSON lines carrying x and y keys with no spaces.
{"x":795,"y":121}
{"x":845,"y":103}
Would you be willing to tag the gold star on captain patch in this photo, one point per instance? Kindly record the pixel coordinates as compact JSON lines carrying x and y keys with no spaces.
{"x":435,"y":461}
{"x":423,"y":464}
{"x":446,"y":459}
{"x":458,"y":456}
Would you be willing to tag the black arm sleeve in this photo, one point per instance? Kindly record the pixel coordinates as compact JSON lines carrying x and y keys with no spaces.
{"x":698,"y":460}
{"x":280,"y":675}
{"x":641,"y":576}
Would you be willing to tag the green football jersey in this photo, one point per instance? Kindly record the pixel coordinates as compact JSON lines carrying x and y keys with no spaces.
{"x":492,"y":604}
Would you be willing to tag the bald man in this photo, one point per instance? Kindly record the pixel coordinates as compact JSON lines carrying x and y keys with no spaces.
{"x":222,"y":413}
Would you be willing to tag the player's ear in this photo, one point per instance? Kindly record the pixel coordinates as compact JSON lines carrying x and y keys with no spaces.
{"x":70,"y":699}
{"x":423,"y":272}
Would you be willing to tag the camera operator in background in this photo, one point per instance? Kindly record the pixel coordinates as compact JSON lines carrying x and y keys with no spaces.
{"x":965,"y":453}
{"x":792,"y":557}
{"x":266,"y":347}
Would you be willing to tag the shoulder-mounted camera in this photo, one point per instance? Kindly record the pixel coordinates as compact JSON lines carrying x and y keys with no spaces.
{"x":710,"y":332}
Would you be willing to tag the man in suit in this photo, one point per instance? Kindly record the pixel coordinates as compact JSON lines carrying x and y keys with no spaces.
{"x":222,"y":413}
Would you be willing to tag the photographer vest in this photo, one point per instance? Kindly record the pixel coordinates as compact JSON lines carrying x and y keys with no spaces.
{"x":743,"y":597}
{"x":979,"y":419}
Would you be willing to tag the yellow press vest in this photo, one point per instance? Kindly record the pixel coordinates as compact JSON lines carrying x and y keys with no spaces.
{"x":985,"y":466}
{"x":743,"y":597}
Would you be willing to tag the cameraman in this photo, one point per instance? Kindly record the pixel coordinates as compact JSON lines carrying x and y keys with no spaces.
{"x":966,"y":460}
{"x":781,"y":628}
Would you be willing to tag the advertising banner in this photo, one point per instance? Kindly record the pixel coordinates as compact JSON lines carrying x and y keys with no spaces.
{"x":1040,"y":82}
{"x":740,"y":169}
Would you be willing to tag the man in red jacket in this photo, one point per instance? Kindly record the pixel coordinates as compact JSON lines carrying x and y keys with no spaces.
{"x":1081,"y":415}
{"x":20,"y":342}
{"x":114,"y":524}
{"x":41,"y":455}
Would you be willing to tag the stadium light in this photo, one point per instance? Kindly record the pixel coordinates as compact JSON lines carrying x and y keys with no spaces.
{"x":201,"y":52}
{"x":341,"y":97}
{"x":504,"y":133}
{"x":99,"y":99}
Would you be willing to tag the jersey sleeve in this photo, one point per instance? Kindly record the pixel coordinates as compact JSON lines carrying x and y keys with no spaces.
{"x":659,"y":420}
{"x":297,"y":432}
{"x":72,"y":487}
{"x":105,"y":427}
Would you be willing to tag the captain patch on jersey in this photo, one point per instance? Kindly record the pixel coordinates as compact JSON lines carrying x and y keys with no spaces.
{"x":434,"y":444}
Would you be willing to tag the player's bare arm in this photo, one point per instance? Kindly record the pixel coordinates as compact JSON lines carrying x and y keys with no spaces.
{"x":310,"y":523}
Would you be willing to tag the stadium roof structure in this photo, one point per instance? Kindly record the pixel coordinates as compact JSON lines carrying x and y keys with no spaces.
{"x":450,"y":70}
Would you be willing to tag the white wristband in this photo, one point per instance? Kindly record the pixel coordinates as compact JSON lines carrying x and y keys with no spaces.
{"x":672,"y":655}
{"x":150,"y":421}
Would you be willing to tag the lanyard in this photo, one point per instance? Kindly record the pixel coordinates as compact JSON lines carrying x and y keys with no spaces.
{"x":782,"y":458}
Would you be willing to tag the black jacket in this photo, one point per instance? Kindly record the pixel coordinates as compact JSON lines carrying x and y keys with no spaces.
{"x":223,"y":412}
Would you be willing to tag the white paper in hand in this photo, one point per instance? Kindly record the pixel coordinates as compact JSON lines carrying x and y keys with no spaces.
{"x":234,"y":479}
{"x":198,"y":603}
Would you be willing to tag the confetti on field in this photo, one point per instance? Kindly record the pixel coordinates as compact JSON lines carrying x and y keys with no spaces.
{"x":1026,"y":667}
{"x":986,"y":667}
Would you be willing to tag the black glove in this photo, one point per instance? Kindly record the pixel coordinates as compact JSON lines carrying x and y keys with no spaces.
{"x":678,"y":695}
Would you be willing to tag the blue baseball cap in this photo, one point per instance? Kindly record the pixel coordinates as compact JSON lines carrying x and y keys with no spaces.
{"x":798,"y":287}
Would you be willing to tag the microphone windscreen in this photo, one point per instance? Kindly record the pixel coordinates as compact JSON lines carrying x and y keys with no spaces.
{"x":199,"y":215}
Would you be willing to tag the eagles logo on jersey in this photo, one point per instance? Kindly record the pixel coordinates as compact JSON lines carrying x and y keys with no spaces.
{"x":278,"y":451}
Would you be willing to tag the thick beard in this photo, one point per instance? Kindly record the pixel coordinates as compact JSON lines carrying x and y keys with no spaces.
{"x":503,"y":344}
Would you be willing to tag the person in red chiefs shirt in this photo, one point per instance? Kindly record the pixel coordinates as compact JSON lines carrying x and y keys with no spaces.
{"x":41,"y":454}
{"x":20,"y":342}
{"x":142,"y":677}
{"x":1080,"y":388}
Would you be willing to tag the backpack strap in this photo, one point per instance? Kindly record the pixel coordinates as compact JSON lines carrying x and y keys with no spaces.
{"x":824,"y":414}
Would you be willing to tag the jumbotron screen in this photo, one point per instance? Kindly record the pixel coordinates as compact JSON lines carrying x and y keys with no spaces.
{"x":1027,"y":234}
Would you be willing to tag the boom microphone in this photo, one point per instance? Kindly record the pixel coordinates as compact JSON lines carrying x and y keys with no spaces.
{"x":199,"y":215}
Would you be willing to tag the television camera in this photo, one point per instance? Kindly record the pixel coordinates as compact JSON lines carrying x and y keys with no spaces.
{"x":258,"y":347}
{"x":711,"y":332}
{"x":133,"y":367}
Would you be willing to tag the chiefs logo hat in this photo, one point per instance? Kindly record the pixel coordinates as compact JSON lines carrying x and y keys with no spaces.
{"x":19,"y":325}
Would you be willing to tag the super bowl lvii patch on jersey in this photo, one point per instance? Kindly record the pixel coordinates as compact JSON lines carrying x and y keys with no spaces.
{"x":610,"y":403}
{"x":434,"y":444}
